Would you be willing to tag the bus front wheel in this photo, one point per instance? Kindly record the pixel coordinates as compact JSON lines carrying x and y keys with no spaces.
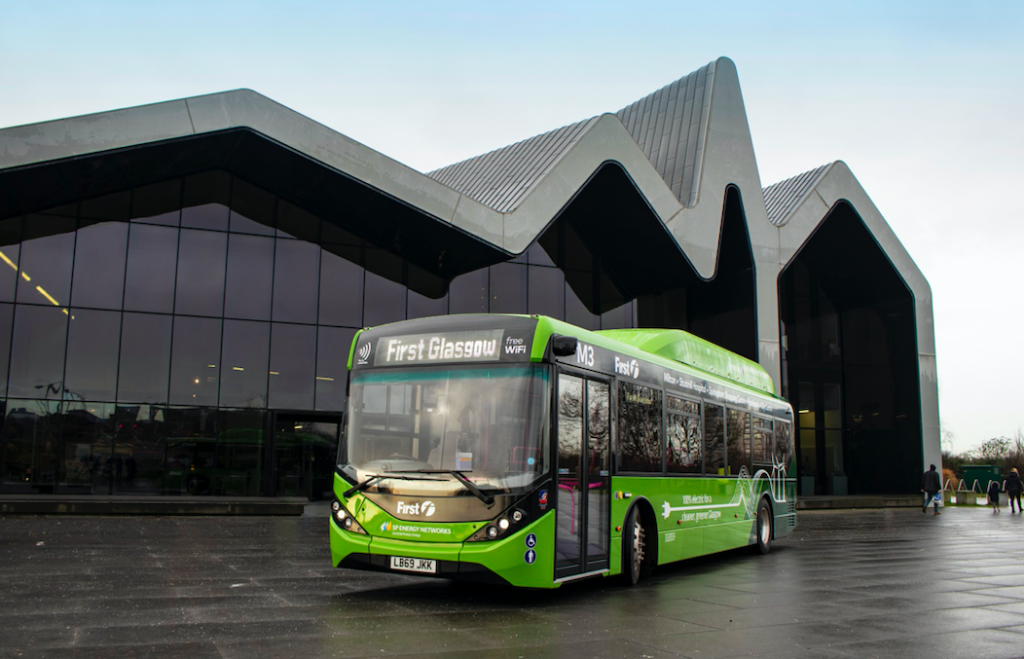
{"x":764,"y":528}
{"x":633,"y":548}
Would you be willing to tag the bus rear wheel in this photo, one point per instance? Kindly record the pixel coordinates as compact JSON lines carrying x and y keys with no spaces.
{"x":764,"y":528}
{"x":633,"y":548}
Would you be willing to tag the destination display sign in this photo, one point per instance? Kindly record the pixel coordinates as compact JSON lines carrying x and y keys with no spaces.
{"x":445,"y":347}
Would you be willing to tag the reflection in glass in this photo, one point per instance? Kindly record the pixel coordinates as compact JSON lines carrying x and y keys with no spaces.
{"x":145,"y":358}
{"x":100,"y":254}
{"x":46,"y":260}
{"x":190,"y":460}
{"x":468,"y":292}
{"x":292,"y":366}
{"x":341,"y":286}
{"x":639,"y":428}
{"x":37,"y":352}
{"x":195,"y":361}
{"x":152,"y":258}
{"x":91,"y":371}
{"x":598,"y":474}
{"x":684,"y":442}
{"x":547,"y":292}
{"x":384,"y":301}
{"x":250,"y":277}
{"x":201,"y":264}
{"x":159,"y":203}
{"x":333,"y":345}
{"x":738,"y":449}
{"x":252,"y":209}
{"x":141,"y":444}
{"x":9,"y":270}
{"x":33,"y":447}
{"x":206,"y":201}
{"x":508,"y":288}
{"x":294,"y":222}
{"x":239,"y":457}
{"x":296,"y":281}
{"x":244,"y":371}
{"x":568,"y":534}
{"x":6,"y":327}
{"x":88,"y":466}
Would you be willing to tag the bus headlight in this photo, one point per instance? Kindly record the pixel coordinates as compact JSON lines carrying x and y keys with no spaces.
{"x":503,"y":524}
{"x":344,"y":519}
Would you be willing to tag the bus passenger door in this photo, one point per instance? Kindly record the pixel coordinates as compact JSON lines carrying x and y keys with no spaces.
{"x":583,"y":484}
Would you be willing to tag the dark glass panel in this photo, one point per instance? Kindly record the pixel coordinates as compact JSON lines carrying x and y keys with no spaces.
{"x":252,"y":209}
{"x":243,"y":382}
{"x":576,"y":312}
{"x":100,"y":255}
{"x":91,"y":372}
{"x":738,"y":450}
{"x":341,"y":286}
{"x":195,"y":361}
{"x":508,"y":288}
{"x":293,"y":222}
{"x":190,"y":450}
{"x":10,"y":250}
{"x":250,"y":277}
{"x":333,"y":345}
{"x":87,"y":464}
{"x":145,"y":358}
{"x":619,"y":318}
{"x":6,"y":327}
{"x":32,"y":446}
{"x":598,"y":469}
{"x":422,"y":306}
{"x":109,"y":208}
{"x":762,"y":443}
{"x":296,"y":281}
{"x":141,"y":441}
{"x":547,"y":292}
{"x":240,"y":455}
{"x":468,"y":293}
{"x":577,"y":254}
{"x":159,"y":203}
{"x":714,"y":440}
{"x":46,"y":259}
{"x":292,"y":366}
{"x":201,"y":265}
{"x":37,"y":352}
{"x":152,"y":257}
{"x":639,"y":428}
{"x":537,"y":254}
{"x":206,"y":201}
{"x":783,"y":452}
{"x":332,"y":233}
{"x":384,"y":300}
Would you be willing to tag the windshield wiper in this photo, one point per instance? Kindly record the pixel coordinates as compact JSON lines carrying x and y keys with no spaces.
{"x":470,"y":485}
{"x":376,"y":477}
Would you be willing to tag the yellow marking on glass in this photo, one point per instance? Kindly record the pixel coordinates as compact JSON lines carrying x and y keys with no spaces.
{"x":237,"y":368}
{"x":325,"y":379}
{"x":8,"y":261}
{"x":47,"y":296}
{"x":26,"y":277}
{"x":211,"y":366}
{"x":274,"y":373}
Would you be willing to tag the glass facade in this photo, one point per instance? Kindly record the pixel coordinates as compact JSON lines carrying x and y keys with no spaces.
{"x":180,"y":337}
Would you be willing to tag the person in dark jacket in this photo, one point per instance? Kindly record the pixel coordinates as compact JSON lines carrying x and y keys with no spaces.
{"x":994,"y":490}
{"x":931,"y":483}
{"x":1013,"y":488}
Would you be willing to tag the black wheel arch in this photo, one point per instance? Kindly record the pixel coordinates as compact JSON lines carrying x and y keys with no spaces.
{"x":650,"y":524}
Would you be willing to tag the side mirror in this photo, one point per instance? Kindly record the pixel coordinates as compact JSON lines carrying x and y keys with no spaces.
{"x":563,"y":346}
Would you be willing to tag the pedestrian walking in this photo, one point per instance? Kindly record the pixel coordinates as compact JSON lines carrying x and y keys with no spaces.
{"x":930,"y":485}
{"x":1013,"y":488}
{"x":994,"y":490}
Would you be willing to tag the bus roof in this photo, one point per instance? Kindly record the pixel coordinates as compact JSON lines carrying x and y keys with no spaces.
{"x":685,"y":348}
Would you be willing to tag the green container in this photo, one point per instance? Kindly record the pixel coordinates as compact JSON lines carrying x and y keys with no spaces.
{"x":982,"y":474}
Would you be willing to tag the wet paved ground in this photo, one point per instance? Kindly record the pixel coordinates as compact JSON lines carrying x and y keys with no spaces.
{"x":883,"y":583}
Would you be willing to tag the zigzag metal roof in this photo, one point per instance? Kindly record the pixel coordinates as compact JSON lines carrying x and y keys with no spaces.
{"x":782,"y":198}
{"x":669,"y":125}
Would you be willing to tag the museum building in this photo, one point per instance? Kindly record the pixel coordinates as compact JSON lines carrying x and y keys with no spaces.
{"x":180,"y":282}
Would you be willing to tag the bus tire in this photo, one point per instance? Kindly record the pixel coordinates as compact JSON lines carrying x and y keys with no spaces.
{"x":633,"y":548}
{"x":764,"y":528}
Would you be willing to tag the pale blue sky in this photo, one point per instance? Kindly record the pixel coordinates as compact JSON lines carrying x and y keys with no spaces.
{"x":922,"y":99}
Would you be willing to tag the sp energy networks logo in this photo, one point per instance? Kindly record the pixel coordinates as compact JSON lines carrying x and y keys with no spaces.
{"x":422,"y":509}
{"x":364,"y":354}
{"x":629,"y":368}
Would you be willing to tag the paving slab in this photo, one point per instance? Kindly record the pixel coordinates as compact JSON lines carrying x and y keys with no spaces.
{"x":847,"y":583}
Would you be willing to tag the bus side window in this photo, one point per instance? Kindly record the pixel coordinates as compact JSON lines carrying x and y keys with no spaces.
{"x":714,"y":440}
{"x":639,"y":437}
{"x":783,"y":456}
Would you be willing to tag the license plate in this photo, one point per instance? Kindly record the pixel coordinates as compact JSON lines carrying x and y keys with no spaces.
{"x":414,"y":564}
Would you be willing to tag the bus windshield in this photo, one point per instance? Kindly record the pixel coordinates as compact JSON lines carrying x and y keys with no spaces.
{"x":489,"y":424}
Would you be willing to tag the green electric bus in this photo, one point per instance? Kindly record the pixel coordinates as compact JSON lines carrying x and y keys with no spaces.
{"x":524,"y":450}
